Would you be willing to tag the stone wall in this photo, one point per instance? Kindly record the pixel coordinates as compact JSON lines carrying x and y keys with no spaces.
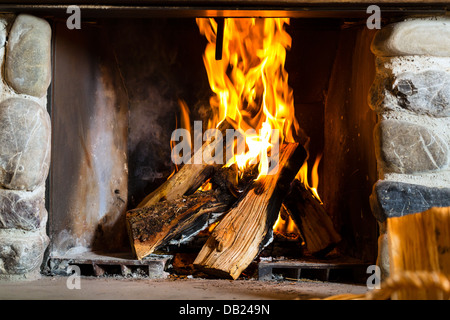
{"x":411,"y":95}
{"x":25,"y":129}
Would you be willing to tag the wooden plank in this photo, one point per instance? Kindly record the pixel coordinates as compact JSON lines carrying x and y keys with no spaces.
{"x":420,"y":242}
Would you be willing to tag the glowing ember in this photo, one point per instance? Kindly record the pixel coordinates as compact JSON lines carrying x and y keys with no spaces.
{"x":206,"y":186}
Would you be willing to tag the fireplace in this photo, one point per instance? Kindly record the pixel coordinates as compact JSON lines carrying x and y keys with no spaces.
{"x":138,"y":70}
{"x":117,"y":86}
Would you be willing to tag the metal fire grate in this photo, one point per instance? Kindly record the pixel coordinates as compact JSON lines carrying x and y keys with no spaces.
{"x":342,"y":269}
{"x":108,"y":264}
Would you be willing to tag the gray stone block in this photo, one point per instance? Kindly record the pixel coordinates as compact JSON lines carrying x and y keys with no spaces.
{"x":24,"y":144}
{"x":28,"y":56}
{"x":423,"y":93}
{"x":403,"y":147}
{"x":23,"y":209}
{"x":396,"y":199}
{"x":21,"y":253}
{"x":3,"y":33}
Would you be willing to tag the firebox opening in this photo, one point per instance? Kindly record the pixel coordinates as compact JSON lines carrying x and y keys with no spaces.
{"x":116,"y":95}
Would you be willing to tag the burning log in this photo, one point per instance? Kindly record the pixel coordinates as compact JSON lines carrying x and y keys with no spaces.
{"x":180,"y":219}
{"x":312,"y":220}
{"x":247,"y":228}
{"x":174,"y":221}
{"x":188,"y":179}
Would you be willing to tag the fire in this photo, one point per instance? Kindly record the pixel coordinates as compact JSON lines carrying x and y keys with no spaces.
{"x":284,"y":224}
{"x":302,"y":175}
{"x":250,"y":84}
{"x":184,"y":123}
{"x":206,"y":186}
{"x":251,"y":91}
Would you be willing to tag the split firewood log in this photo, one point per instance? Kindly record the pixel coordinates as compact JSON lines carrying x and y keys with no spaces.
{"x":248,"y":227}
{"x":175,"y":221}
{"x":190,"y":177}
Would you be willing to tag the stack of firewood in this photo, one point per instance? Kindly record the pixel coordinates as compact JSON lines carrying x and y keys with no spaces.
{"x":244,"y":208}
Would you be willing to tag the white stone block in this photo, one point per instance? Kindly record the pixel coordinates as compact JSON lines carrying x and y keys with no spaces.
{"x":426,"y":36}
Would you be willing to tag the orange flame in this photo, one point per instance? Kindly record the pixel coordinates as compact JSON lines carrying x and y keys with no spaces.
{"x":286,"y":225}
{"x":302,"y":175}
{"x":185,"y":119}
{"x":250,"y":83}
{"x":184,"y":123}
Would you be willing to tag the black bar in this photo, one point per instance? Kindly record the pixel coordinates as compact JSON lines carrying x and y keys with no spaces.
{"x":219,"y":37}
{"x":230,"y":8}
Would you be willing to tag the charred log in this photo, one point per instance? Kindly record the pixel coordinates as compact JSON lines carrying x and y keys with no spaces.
{"x":189,"y":178}
{"x":312,"y":220}
{"x":174,"y":221}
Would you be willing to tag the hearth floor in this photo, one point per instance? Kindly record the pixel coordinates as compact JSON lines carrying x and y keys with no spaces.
{"x":111,"y":288}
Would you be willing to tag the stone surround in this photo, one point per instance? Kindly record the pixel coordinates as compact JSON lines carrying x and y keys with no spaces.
{"x":25,"y":141}
{"x":411,"y":95}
